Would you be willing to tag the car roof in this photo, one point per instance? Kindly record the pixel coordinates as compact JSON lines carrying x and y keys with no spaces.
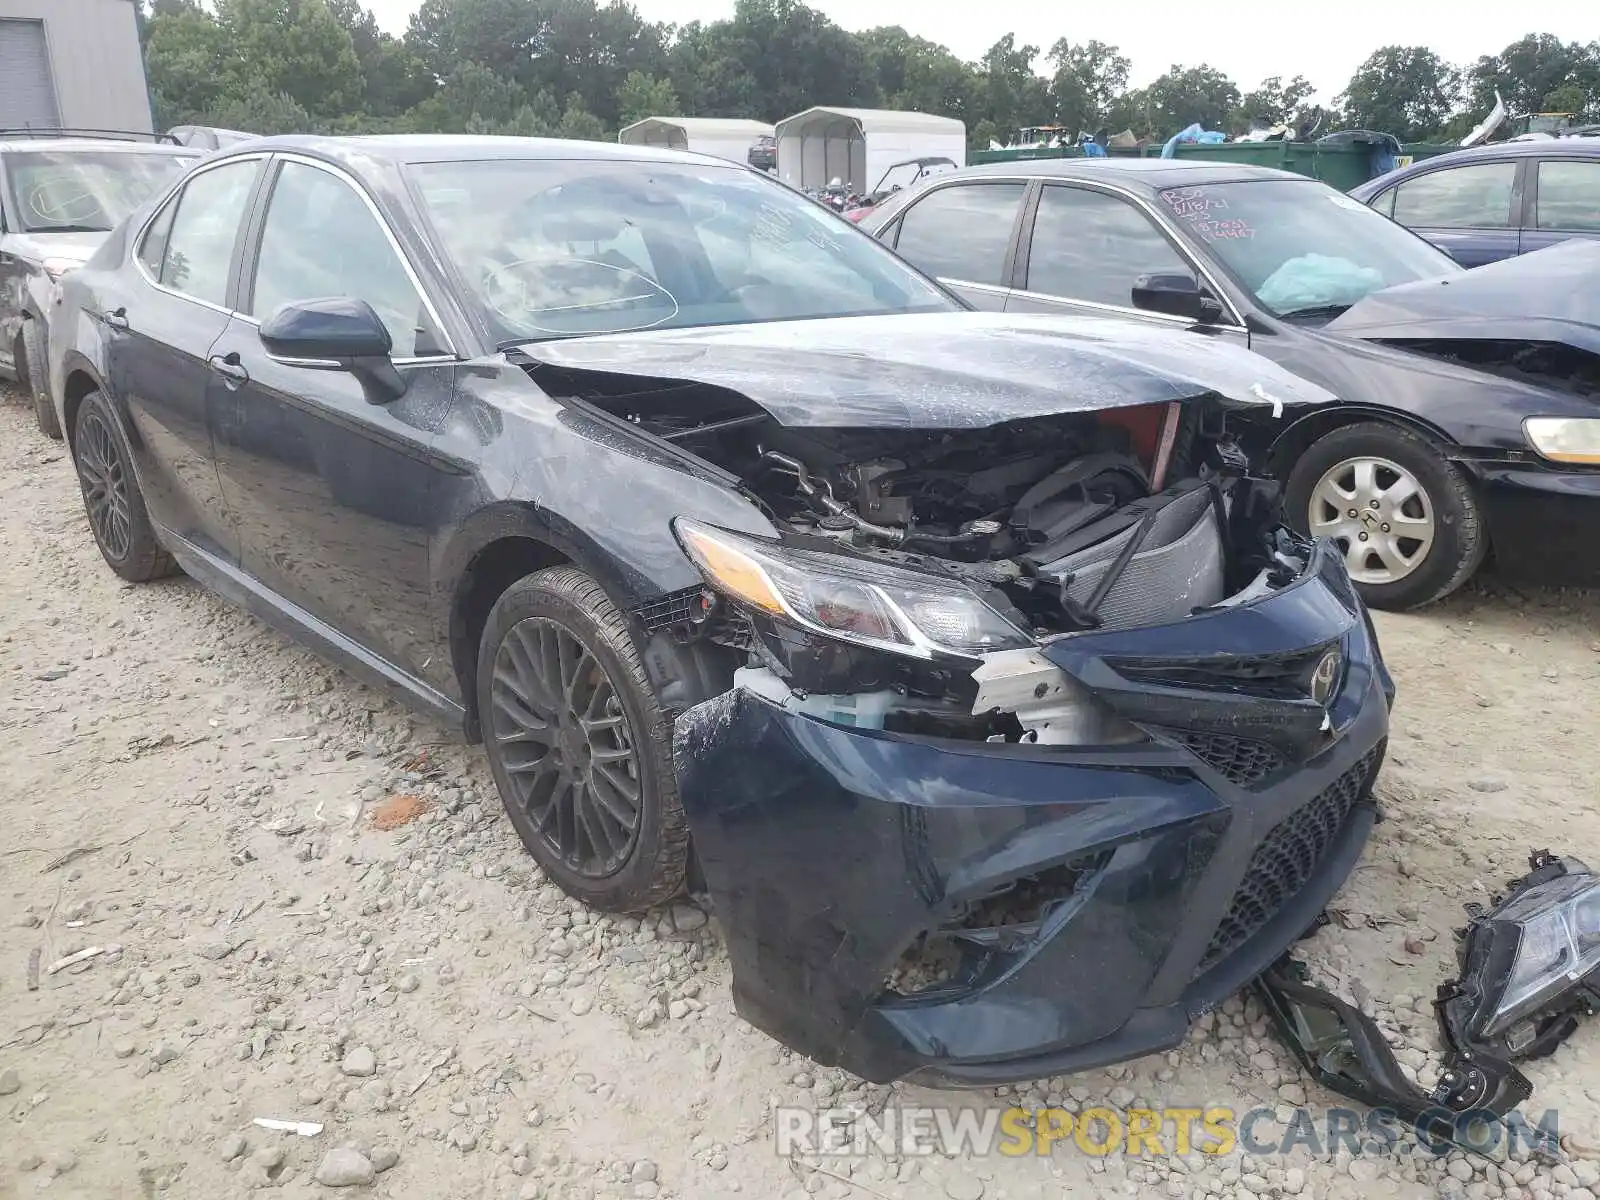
{"x":97,"y":145}
{"x":441,"y":147}
{"x":1150,"y":174}
{"x":1566,"y":147}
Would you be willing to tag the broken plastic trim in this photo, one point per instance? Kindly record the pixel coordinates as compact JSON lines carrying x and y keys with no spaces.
{"x":1346,"y":1052}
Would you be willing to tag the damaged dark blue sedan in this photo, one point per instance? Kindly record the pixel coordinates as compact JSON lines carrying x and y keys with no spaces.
{"x":960,"y":659}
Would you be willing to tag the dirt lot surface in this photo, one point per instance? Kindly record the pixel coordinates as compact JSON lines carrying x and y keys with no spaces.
{"x":310,"y":907}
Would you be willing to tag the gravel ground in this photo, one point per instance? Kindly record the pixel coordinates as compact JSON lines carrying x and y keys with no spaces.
{"x":215,"y":810}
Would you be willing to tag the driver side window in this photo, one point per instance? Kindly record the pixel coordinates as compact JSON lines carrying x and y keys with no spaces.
{"x":319,"y":240}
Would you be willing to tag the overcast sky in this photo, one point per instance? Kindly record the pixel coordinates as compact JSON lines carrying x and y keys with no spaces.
{"x":1247,"y":39}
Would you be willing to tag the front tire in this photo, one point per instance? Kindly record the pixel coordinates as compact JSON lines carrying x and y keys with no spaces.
{"x":1405,"y":517}
{"x":111,"y":496}
{"x":34,"y":373}
{"x":579,"y":747}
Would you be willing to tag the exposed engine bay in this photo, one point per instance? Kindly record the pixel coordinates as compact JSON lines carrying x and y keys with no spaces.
{"x":1065,"y":523}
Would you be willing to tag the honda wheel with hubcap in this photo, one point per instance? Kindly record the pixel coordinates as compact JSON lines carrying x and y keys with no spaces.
{"x":1404,"y":517}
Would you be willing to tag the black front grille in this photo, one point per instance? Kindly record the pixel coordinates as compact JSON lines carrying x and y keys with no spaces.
{"x":1240,"y":761}
{"x":1288,"y":856}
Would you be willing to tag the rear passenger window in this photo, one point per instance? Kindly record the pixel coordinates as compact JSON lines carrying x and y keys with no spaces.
{"x":1569,"y":196}
{"x":154,"y":247}
{"x":961,"y":232}
{"x":199,"y":248}
{"x":1475,"y":197}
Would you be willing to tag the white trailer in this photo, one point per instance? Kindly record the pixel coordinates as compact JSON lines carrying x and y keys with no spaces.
{"x":723,"y":137}
{"x":857,"y":146}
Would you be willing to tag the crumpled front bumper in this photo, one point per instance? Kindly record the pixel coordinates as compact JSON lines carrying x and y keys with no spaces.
{"x":830,"y":851}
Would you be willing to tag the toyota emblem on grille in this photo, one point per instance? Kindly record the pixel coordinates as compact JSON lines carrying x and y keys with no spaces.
{"x":1324,"y":677}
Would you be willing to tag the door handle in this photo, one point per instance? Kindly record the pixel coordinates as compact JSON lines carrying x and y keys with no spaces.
{"x":117,"y":319}
{"x":233,"y":374}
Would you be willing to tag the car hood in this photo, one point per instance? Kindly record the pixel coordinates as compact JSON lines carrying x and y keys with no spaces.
{"x":955,"y":370}
{"x":36,"y":247}
{"x":1549,"y":295}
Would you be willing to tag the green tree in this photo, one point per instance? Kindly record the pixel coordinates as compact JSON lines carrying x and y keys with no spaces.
{"x":917,"y":75}
{"x":1086,"y":82}
{"x":472,"y":99}
{"x":294,"y":47}
{"x":1408,"y":91}
{"x":579,"y":123}
{"x":643,"y":96}
{"x":184,"y":62}
{"x":1185,"y":95}
{"x":708,"y":73}
{"x":1013,"y":96}
{"x":393,"y":77}
{"x":1538,"y":73}
{"x":1276,"y":102}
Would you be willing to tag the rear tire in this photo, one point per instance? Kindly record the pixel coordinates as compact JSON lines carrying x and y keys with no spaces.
{"x":1405,"y":517}
{"x":111,"y":497}
{"x":579,"y":746}
{"x":34,"y":373}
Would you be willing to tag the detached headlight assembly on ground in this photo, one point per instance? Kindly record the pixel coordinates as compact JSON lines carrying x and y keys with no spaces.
{"x":1530,"y":966}
{"x":883,"y":607}
{"x":1565,"y":439}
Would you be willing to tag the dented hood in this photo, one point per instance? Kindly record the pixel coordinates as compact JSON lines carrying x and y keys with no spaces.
{"x":1550,"y":295}
{"x":955,"y":370}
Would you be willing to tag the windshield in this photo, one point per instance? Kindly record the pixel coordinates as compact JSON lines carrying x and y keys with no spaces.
{"x":1301,"y":247}
{"x":557,"y":248}
{"x":86,"y":191}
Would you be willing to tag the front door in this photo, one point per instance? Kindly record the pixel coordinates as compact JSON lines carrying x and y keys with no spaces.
{"x":1085,"y":249}
{"x":328,"y":486}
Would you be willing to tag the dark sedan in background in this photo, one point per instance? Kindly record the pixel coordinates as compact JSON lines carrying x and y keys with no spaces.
{"x":1470,"y":422}
{"x":1492,"y":202}
{"x":59,"y":197}
{"x":946,"y":651}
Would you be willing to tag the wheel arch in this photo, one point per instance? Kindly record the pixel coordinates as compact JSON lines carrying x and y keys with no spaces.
{"x":79,"y":378}
{"x":495,"y":548}
{"x":1294,"y":441}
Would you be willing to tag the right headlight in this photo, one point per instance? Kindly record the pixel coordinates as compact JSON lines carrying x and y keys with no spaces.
{"x":1565,"y":439}
{"x":873,"y":605}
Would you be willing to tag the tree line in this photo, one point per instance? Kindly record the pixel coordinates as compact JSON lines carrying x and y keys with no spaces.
{"x":583,"y":69}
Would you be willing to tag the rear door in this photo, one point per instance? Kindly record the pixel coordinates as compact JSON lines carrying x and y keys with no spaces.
{"x":159,"y":320}
{"x":1082,"y":249}
{"x":1563,"y":202}
{"x":1472,"y":212}
{"x":964,"y":235}
{"x":329,"y":490}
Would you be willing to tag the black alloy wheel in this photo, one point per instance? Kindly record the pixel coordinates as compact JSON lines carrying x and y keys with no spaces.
{"x":565,"y":745}
{"x":580,"y":748}
{"x":111,"y":497}
{"x":105,"y":487}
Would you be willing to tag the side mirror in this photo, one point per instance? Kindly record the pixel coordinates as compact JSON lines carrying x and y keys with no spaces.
{"x":336,"y":333}
{"x":1176,"y":295}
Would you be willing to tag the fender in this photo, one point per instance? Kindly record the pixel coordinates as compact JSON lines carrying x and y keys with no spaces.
{"x":1293,"y":441}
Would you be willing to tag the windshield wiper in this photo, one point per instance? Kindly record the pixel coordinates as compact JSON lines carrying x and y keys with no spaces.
{"x":71,"y":229}
{"x":1317,"y":310}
